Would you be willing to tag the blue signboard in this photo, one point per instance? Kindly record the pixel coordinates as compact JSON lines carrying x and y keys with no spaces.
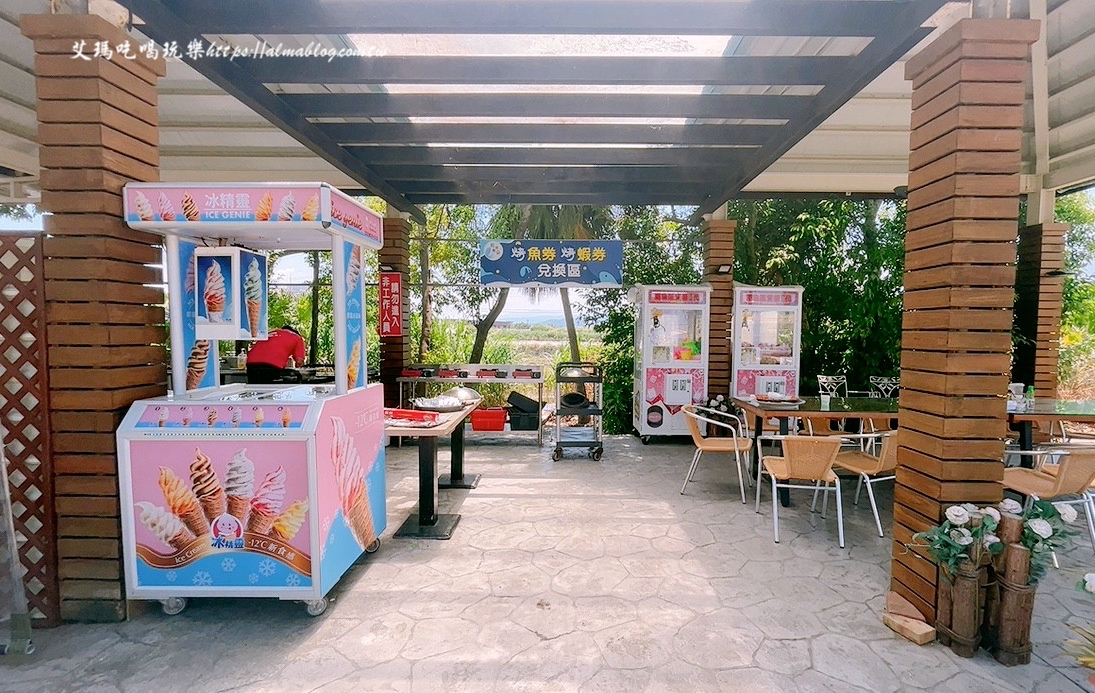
{"x":551,"y":263}
{"x":200,"y":355}
{"x":355,"y":315}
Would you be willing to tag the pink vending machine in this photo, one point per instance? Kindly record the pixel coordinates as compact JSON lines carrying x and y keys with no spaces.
{"x":767,"y":336}
{"x":671,"y":329}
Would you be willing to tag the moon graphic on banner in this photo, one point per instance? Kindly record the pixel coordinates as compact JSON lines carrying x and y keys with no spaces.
{"x":492,"y":250}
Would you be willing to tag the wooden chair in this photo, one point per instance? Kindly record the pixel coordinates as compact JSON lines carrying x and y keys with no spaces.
{"x":1074,"y":475}
{"x":737,"y":442}
{"x":805,"y":458}
{"x":871,"y":468}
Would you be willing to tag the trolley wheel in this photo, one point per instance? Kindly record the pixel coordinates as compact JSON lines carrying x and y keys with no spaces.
{"x":373,"y":547}
{"x":596,"y":454}
{"x":556,"y":455}
{"x":645,"y":440}
{"x":316,"y":607}
{"x":173,"y":606}
{"x":29,"y":648}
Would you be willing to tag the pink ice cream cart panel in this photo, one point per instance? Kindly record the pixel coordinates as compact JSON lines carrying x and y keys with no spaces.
{"x":222,"y":416}
{"x":218,"y":205}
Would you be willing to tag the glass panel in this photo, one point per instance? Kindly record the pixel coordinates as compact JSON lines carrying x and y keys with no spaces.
{"x":767,"y":338}
{"x":676,"y":335}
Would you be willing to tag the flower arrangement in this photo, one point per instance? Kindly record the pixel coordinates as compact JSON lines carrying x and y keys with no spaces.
{"x":1045,"y":530}
{"x":967,"y":533}
{"x":719,"y":404}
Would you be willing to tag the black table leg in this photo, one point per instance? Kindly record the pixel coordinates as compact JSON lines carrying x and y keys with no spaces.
{"x":1026,"y":442}
{"x":784,"y":494}
{"x":457,"y":479}
{"x":758,"y":425}
{"x":428,"y":524}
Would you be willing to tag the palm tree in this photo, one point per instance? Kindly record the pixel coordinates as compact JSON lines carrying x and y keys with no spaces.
{"x":548,"y":222}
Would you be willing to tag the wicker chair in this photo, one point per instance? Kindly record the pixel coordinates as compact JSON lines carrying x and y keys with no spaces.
{"x":871,"y":468}
{"x":737,"y":443}
{"x":805,"y":458}
{"x":1070,"y":481}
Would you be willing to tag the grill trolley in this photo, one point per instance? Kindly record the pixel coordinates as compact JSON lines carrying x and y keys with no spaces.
{"x":575,"y":403}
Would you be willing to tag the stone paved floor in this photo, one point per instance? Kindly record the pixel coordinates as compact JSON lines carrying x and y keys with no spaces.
{"x":571,"y":576}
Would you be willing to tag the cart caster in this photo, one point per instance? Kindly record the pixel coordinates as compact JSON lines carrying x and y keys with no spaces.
{"x":596,"y":454}
{"x":557,"y":455}
{"x":173,"y":606}
{"x":373,"y":547}
{"x":645,"y":440}
{"x":316,"y":607}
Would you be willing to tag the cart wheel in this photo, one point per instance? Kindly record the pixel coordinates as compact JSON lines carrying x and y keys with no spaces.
{"x":173,"y":606}
{"x":557,"y":455}
{"x":373,"y":547}
{"x":645,"y":440}
{"x":596,"y":454}
{"x":316,"y":607}
{"x":29,"y":649}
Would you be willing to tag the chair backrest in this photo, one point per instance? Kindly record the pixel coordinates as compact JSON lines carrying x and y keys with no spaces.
{"x":882,"y":386}
{"x":833,"y":385}
{"x":810,"y":457}
{"x":887,"y":456}
{"x":1076,"y":473}
{"x":692,"y":418}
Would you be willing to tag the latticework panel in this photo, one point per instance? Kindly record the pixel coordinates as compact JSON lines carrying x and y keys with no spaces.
{"x":24,"y":412}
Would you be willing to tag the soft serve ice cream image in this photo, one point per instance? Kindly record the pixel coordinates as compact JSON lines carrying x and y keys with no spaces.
{"x":214,"y":292}
{"x":252,"y":289}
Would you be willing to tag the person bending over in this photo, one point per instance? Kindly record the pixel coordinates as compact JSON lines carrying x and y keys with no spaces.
{"x":268,"y":359}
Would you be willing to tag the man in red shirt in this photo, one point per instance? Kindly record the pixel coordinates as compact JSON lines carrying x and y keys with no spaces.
{"x":268,"y":359}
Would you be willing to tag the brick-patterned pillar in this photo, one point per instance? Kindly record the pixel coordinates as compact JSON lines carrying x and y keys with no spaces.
{"x":395,"y":352}
{"x":1039,"y":289}
{"x":718,"y":251}
{"x":97,"y":130}
{"x":963,"y":201}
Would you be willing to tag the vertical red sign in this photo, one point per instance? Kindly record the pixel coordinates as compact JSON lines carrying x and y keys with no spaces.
{"x":390,"y":323}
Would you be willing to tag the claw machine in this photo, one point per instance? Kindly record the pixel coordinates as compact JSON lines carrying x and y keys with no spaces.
{"x":251,"y":490}
{"x":671,"y":330}
{"x":767,"y":339}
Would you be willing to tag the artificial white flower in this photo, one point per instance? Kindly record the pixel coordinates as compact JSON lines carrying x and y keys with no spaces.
{"x":1089,"y":582}
{"x":991,"y":512}
{"x":1040,"y":527}
{"x":990,"y":539}
{"x":957,"y":515}
{"x":1012,"y":506}
{"x":971,"y":508}
{"x":1068,"y":513}
{"x":719,"y":398}
{"x":961,"y":536}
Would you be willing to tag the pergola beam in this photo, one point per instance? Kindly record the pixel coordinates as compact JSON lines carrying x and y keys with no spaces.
{"x":399,"y":174}
{"x":575,"y":105}
{"x":599,"y":199}
{"x":532,"y":70}
{"x":552,"y":156}
{"x":605,"y":17}
{"x":545,"y":133}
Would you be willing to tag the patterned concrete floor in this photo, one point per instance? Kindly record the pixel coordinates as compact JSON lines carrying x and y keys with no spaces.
{"x":571,"y":576}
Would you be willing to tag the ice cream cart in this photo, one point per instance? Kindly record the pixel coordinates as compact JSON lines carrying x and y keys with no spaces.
{"x":238,"y":490}
{"x":767,"y":336}
{"x":671,"y":330}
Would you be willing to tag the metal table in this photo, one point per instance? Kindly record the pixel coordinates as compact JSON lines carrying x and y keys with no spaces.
{"x":428,"y":524}
{"x":1048,"y":411}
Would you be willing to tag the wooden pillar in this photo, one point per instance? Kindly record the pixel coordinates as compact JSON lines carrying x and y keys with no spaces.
{"x":97,"y":130}
{"x":395,"y":352}
{"x":718,"y":252}
{"x":1039,"y":288}
{"x":963,"y":204}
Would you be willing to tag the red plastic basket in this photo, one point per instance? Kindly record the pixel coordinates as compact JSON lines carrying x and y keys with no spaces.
{"x":489,"y":419}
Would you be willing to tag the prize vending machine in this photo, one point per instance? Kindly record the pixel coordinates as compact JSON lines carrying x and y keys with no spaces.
{"x":767,"y":336}
{"x":671,"y":330}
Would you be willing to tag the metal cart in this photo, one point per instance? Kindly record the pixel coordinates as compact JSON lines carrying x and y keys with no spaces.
{"x":576,"y":404}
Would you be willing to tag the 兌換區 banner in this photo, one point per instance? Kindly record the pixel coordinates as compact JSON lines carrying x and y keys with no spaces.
{"x":551,"y":263}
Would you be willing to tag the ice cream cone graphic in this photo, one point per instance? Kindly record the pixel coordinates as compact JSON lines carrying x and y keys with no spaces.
{"x":182,"y":502}
{"x":286,"y":418}
{"x":265,"y":207}
{"x":266,"y":504}
{"x":353,"y":269}
{"x":288,"y":523}
{"x":311,"y":209}
{"x":161,"y":418}
{"x":239,"y":485}
{"x":260,"y":417}
{"x":252,"y":289}
{"x":211,"y":418}
{"x":285,"y":209}
{"x":353,"y":366}
{"x":236,"y":417}
{"x":352,"y":490}
{"x":190,"y":208}
{"x":167,"y":210}
{"x":144,"y":207}
{"x":214,"y":292}
{"x":167,"y":528}
{"x":207,"y":487}
{"x":197,"y":364}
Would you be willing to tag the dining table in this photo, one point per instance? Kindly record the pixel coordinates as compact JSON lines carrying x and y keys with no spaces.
{"x":428,"y":523}
{"x":813,"y":408}
{"x":1046,"y":412}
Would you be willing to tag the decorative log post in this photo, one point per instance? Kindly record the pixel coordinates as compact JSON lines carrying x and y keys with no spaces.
{"x":965,"y":626}
{"x":943,"y":610}
{"x":1016,"y":607}
{"x":1009,"y":532}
